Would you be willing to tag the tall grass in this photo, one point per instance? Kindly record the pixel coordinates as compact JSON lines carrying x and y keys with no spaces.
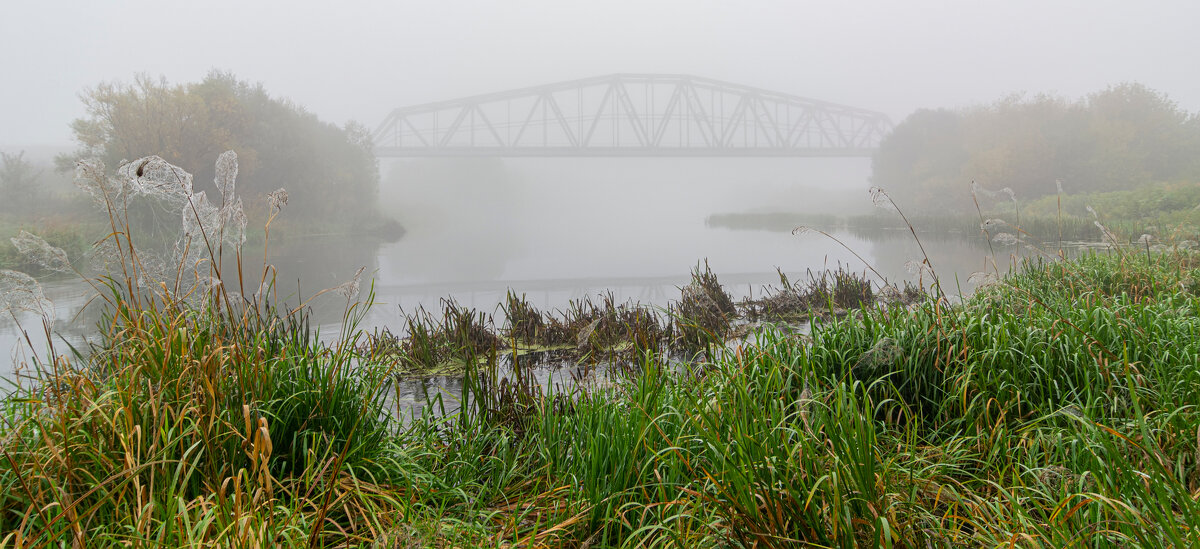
{"x":1059,"y":407}
{"x":203,"y":415}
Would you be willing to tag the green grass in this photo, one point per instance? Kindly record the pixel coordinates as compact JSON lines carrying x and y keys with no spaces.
{"x":71,"y":236}
{"x":1166,"y":211}
{"x":1057,"y":408}
{"x":1162,"y":206}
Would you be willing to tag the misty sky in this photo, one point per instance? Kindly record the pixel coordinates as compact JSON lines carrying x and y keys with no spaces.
{"x":361,"y":59}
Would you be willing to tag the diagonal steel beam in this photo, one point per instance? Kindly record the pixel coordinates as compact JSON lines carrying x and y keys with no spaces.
{"x":668,"y":112}
{"x":458,"y":120}
{"x":703,"y":118}
{"x":761,"y":122}
{"x":562,"y":120}
{"x":631,"y":113}
{"x":488,"y":123}
{"x":587,"y":140}
{"x":528,"y":119}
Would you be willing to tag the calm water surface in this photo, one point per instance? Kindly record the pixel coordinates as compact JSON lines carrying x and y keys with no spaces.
{"x":635,"y":230}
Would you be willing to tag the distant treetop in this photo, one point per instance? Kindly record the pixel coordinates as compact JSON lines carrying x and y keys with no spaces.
{"x":1120,"y":138}
{"x":328,"y":170}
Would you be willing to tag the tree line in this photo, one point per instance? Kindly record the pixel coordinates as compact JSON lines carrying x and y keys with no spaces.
{"x":1120,"y":138}
{"x":329,"y":171}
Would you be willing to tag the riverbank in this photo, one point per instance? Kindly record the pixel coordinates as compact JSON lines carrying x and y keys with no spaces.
{"x":1055,"y":408}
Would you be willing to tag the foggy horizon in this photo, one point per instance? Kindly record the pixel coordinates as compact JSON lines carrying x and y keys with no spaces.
{"x":359,"y":63}
{"x":678,"y":273}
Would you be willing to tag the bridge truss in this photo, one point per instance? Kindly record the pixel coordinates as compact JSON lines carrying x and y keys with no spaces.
{"x":632,"y":115}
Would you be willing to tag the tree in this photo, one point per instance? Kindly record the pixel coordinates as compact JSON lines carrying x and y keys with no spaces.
{"x":921,"y":158}
{"x":18,"y":182}
{"x":1120,"y":138}
{"x":1140,"y":135}
{"x":329,"y":171}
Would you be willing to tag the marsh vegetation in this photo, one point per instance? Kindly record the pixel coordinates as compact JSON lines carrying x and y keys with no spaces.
{"x":1057,"y":406}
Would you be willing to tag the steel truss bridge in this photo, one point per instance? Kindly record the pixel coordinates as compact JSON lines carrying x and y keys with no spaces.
{"x":632,"y":115}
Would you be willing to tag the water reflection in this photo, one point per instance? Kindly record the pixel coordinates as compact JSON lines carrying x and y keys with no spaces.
{"x":23,"y":336}
{"x":443,"y":395}
{"x":744,"y":260}
{"x":561,"y":231}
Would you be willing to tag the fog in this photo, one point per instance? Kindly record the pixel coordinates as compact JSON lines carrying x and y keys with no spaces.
{"x":475,"y":227}
{"x":361,"y":59}
{"x":330,"y":272}
{"x":576,"y":218}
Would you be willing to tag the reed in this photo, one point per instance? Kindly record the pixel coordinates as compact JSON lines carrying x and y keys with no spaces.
{"x":1004,"y":418}
{"x":204,"y":415}
{"x":1056,"y":407}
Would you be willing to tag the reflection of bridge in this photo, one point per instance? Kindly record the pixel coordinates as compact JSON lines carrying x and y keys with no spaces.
{"x":632,"y":115}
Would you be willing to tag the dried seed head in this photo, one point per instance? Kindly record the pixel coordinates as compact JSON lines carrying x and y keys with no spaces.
{"x":881,"y":199}
{"x":350,"y":289}
{"x":277,"y":199}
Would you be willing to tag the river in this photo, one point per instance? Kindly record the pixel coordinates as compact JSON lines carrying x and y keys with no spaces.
{"x":555,"y":232}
